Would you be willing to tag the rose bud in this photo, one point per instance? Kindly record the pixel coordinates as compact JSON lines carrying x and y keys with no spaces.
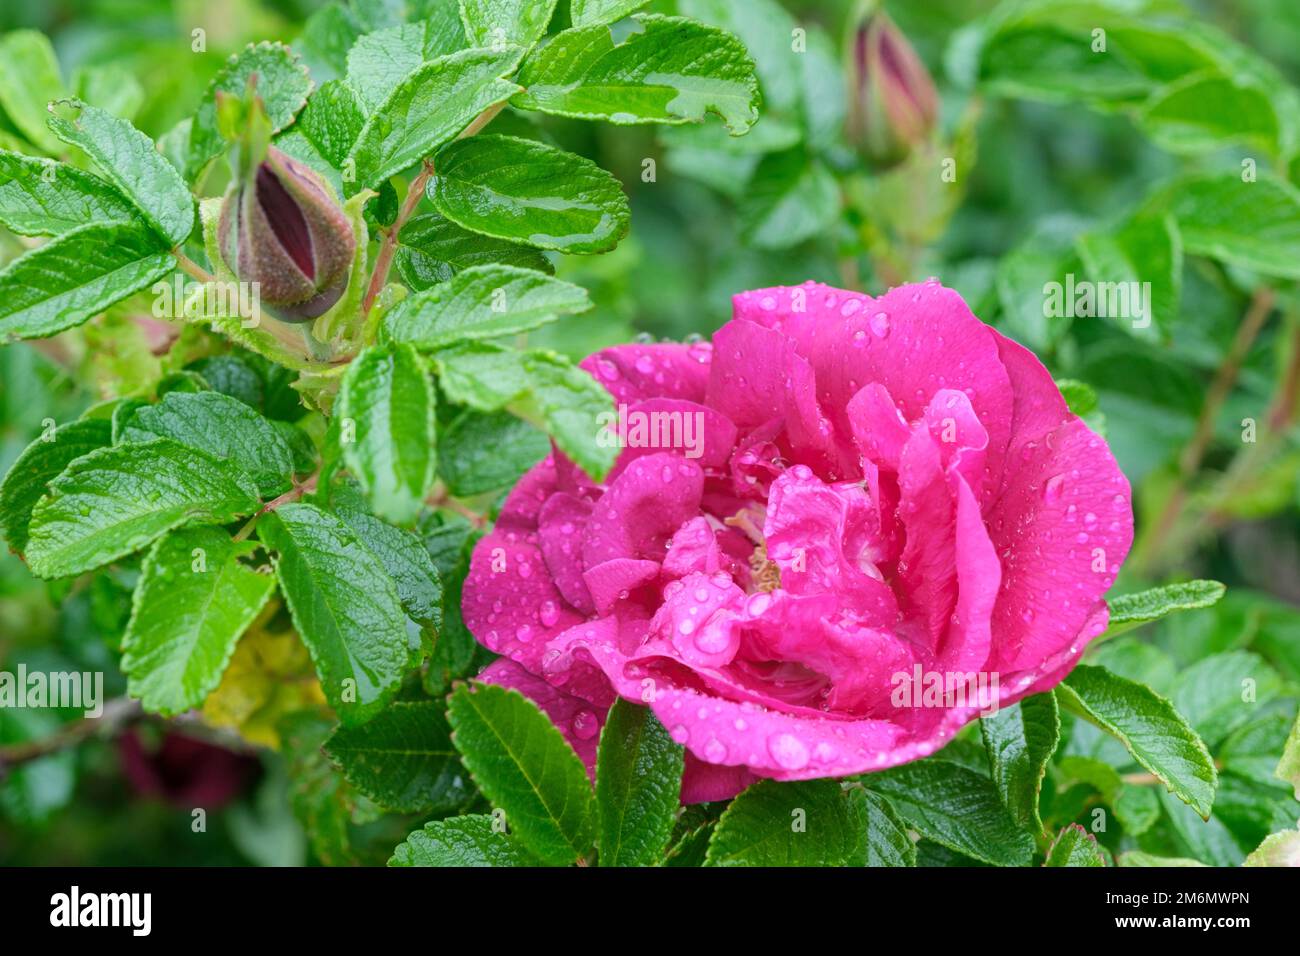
{"x":281,"y":227}
{"x":892,"y":101}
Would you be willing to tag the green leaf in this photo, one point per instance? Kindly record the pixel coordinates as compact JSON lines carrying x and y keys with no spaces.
{"x":39,"y":197}
{"x":1254,"y":225}
{"x":78,"y":275}
{"x":344,"y":605}
{"x":484,"y":452}
{"x":1206,"y":839}
{"x":1155,"y":734}
{"x":1020,"y":740}
{"x":483,"y":302}
{"x":116,"y":500}
{"x":282,"y":84}
{"x":887,"y":840}
{"x":194,"y":600}
{"x":804,"y":823}
{"x":525,"y":191}
{"x":526,"y":768}
{"x":1220,"y":693}
{"x":1079,"y":396}
{"x":1139,"y":858}
{"x":427,"y":109}
{"x":418,"y":582}
{"x":571,"y":405}
{"x":1204,"y":112}
{"x":1288,"y":768}
{"x":1278,"y":849}
{"x":128,"y":159}
{"x":320,"y":797}
{"x":40,"y":463}
{"x":469,"y":840}
{"x":379,"y":61}
{"x":1074,"y":846}
{"x":389,"y":398}
{"x":638,"y":785}
{"x":29,"y":79}
{"x":957,"y":808}
{"x":1145,"y":249}
{"x":670,"y":70}
{"x":585,"y":13}
{"x":222,"y":427}
{"x":791,"y":197}
{"x":481,"y":375}
{"x":1133,"y":610}
{"x":432,"y":249}
{"x":331,"y":121}
{"x":403,"y":759}
{"x":494,"y":22}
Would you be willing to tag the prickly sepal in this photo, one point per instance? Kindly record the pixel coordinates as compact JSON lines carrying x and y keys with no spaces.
{"x":282,"y":227}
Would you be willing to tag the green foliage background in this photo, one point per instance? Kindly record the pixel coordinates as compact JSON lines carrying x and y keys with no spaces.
{"x":1060,"y":168}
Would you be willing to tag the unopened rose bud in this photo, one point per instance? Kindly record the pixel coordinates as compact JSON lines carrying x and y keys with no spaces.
{"x":282,"y":228}
{"x":892,"y":101}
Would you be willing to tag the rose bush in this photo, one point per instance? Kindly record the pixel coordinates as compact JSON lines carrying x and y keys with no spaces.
{"x":884,"y":484}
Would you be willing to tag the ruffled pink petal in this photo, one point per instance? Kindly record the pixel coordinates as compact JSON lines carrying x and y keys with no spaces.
{"x":509,"y":602}
{"x":634,"y":373}
{"x":637,"y":516}
{"x":559,"y":526}
{"x":1061,"y":527}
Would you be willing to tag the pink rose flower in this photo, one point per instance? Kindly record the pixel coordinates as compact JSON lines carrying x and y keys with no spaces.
{"x":861,"y":492}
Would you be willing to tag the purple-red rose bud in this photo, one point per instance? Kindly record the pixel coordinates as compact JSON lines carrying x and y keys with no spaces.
{"x":282,"y":228}
{"x":893,"y":105}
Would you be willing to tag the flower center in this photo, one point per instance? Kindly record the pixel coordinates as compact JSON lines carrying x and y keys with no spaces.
{"x":766,"y":574}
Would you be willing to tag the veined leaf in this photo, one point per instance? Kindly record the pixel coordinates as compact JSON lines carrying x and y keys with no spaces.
{"x":40,"y":463}
{"x":638,"y":783}
{"x":282,"y":84}
{"x":525,"y":191}
{"x":957,"y":808}
{"x":117,"y":500}
{"x":484,"y":452}
{"x":432,"y":249}
{"x":494,"y":22}
{"x":427,"y":109}
{"x":344,"y":605}
{"x":388,"y":398}
{"x":194,"y":600}
{"x":802,"y":823}
{"x":671,"y":70}
{"x":585,"y":13}
{"x":1074,"y":846}
{"x":403,"y":759}
{"x":887,"y":840}
{"x":39,"y":197}
{"x":569,"y":403}
{"x":1020,"y":740}
{"x":470,"y":840}
{"x":1254,"y":225}
{"x":526,"y":768}
{"x":408,"y":563}
{"x":481,"y":375}
{"x":379,"y":61}
{"x":128,"y":159}
{"x":791,"y":197}
{"x":78,"y":275}
{"x":223,"y":427}
{"x":1155,"y":734}
{"x":1133,"y":610}
{"x":331,"y":121}
{"x":483,"y":302}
